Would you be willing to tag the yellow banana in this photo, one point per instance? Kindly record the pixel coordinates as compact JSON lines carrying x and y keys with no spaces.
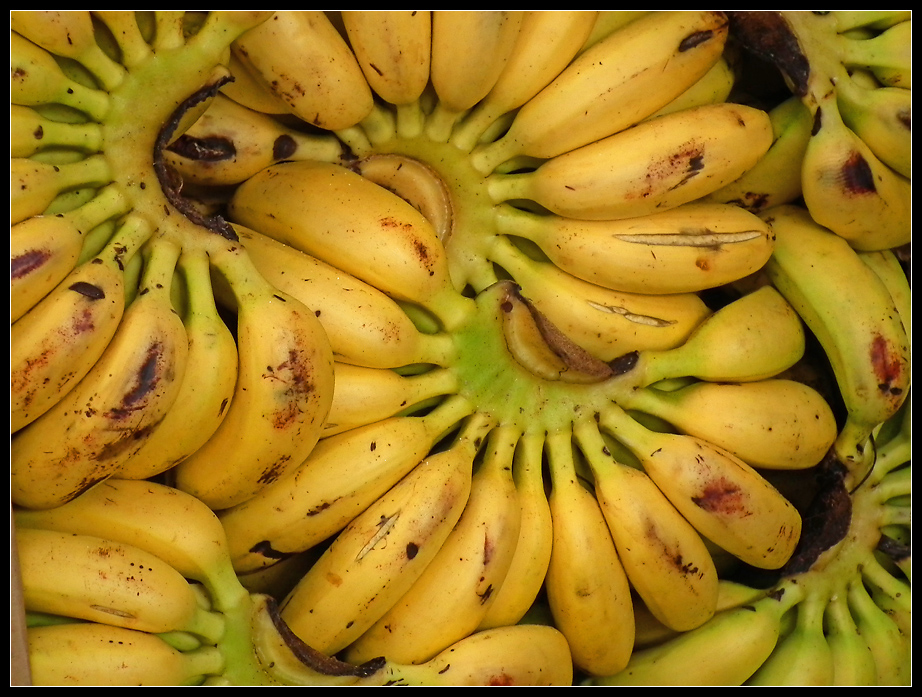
{"x":654,"y":166}
{"x":204,"y":394}
{"x":32,"y":132}
{"x":586,"y":584}
{"x":609,"y":21}
{"x":343,"y":475}
{"x":890,"y":647}
{"x":776,"y":178}
{"x":854,"y":318}
{"x":847,"y":20}
{"x":546,"y":43}
{"x":774,"y":423}
{"x":631,"y":73}
{"x":364,"y":325}
{"x":451,"y":597}
{"x":306,"y":63}
{"x":44,"y":249}
{"x":36,"y":79}
{"x":508,"y":656}
{"x":887,"y":54}
{"x":98,"y":580}
{"x":91,"y":653}
{"x":715,"y":86}
{"x":726,"y":500}
{"x":747,"y":633}
{"x":379,"y":555}
{"x":889,"y":269}
{"x":283,"y":392}
{"x":229,"y":143}
{"x":87,"y":435}
{"x":689,"y":248}
{"x":528,"y":566}
{"x":163,"y":521}
{"x":363,"y":395}
{"x":34,"y":185}
{"x":470,"y":49}
{"x":755,"y":336}
{"x":852,"y":661}
{"x":608,"y":323}
{"x":666,"y":561}
{"x":368,"y":231}
{"x":249,"y":90}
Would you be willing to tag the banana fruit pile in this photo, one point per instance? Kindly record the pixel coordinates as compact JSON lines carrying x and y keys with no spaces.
{"x":461,"y":347}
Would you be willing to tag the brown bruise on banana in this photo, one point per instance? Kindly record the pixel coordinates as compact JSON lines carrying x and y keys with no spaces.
{"x":890,"y":365}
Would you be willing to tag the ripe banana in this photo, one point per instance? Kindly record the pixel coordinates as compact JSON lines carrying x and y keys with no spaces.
{"x":229,"y":143}
{"x":715,"y":86}
{"x":343,"y":475}
{"x":470,"y":49}
{"x":775,"y":423}
{"x":95,"y":579}
{"x":168,"y":523}
{"x":368,"y":231}
{"x":654,"y":166}
{"x":888,"y":268}
{"x":249,"y":90}
{"x":364,"y":325}
{"x":32,"y":132}
{"x":382,"y":552}
{"x":87,"y":435}
{"x":623,"y":78}
{"x":853,"y":316}
{"x":686,"y":249}
{"x":34,"y":185}
{"x":449,"y":600}
{"x":586,"y":583}
{"x":306,"y":63}
{"x":91,"y":653}
{"x":666,"y":561}
{"x":725,"y":499}
{"x":608,"y":323}
{"x":546,"y":43}
{"x":45,"y":249}
{"x":282,"y":395}
{"x":204,"y":396}
{"x":528,"y":565}
{"x":755,"y":336}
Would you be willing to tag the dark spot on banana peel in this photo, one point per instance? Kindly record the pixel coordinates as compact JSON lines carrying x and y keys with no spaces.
{"x":696,"y":39}
{"x":24,"y":264}
{"x":894,"y":549}
{"x":93,"y":292}
{"x":264,"y":549}
{"x":624,"y":364}
{"x":412,"y":550}
{"x":722,"y":497}
{"x":146,"y":380}
{"x":889,"y":366}
{"x":274,"y":471}
{"x":284,"y":147}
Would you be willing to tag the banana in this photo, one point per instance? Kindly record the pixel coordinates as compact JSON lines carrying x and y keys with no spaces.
{"x":725,"y":499}
{"x":32,"y":132}
{"x":470,"y":49}
{"x":715,"y":86}
{"x":229,"y":143}
{"x":654,"y":166}
{"x":70,"y":34}
{"x":364,"y":326}
{"x":685,"y":249}
{"x":803,"y":656}
{"x":129,"y":32}
{"x":283,"y":392}
{"x":378,"y":556}
{"x":854,"y":318}
{"x":90,"y":653}
{"x":87,"y":435}
{"x":756,"y":336}
{"x":369,"y":232}
{"x":847,"y":20}
{"x":623,"y":78}
{"x":852,"y":661}
{"x":586,"y":584}
{"x":887,"y":54}
{"x":508,"y":656}
{"x":546,"y":43}
{"x":775,"y":423}
{"x":36,"y":79}
{"x":95,"y":579}
{"x":44,"y":249}
{"x":451,"y":597}
{"x":34,"y":185}
{"x":249,"y":91}
{"x":528,"y":566}
{"x":203,"y":398}
{"x":306,"y":63}
{"x":609,"y":21}
{"x":163,"y":521}
{"x":745,"y":635}
{"x":776,"y":178}
{"x":880,"y":116}
{"x":890,"y":648}
{"x":393,"y":49}
{"x":666,"y":561}
{"x":888,"y":268}
{"x":363,"y":395}
{"x":608,"y":323}
{"x":343,"y":475}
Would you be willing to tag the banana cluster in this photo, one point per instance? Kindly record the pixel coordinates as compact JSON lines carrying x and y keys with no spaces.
{"x":510,"y":318}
